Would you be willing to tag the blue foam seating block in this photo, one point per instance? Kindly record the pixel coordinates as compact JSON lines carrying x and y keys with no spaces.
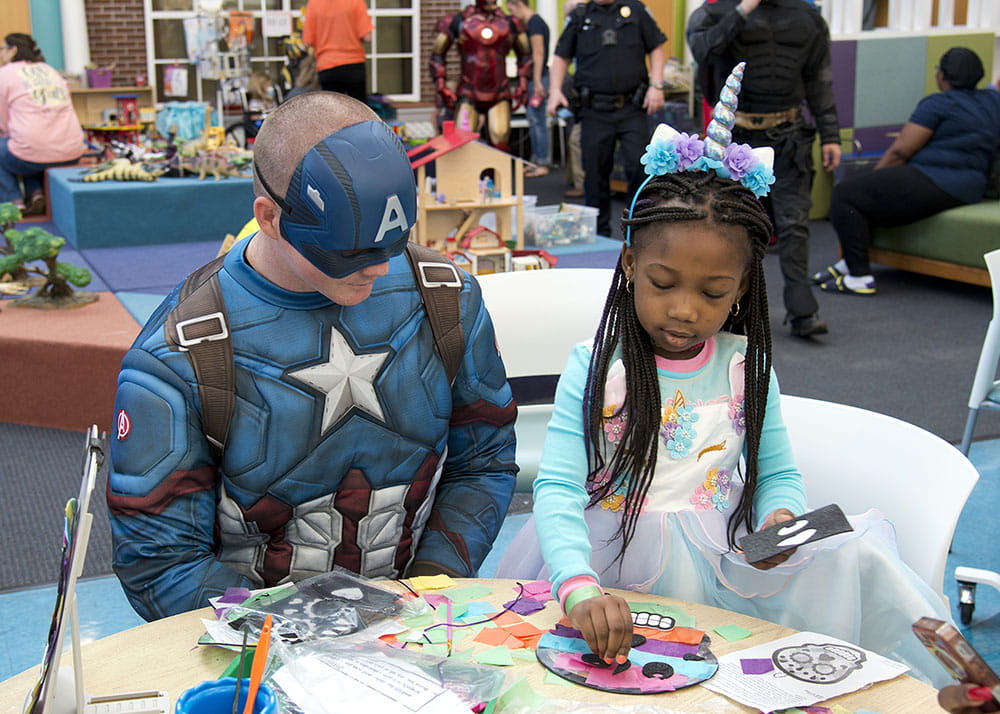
{"x":104,"y":214}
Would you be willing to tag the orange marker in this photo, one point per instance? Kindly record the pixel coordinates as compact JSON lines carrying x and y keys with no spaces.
{"x":259,"y":662}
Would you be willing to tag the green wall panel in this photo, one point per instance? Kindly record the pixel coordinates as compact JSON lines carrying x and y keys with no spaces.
{"x":46,"y":28}
{"x":889,"y":80}
{"x":937,"y":45}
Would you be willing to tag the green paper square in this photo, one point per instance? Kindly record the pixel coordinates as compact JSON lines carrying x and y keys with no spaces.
{"x":732,"y":633}
{"x":467,"y":594}
{"x":498,"y":656}
{"x":419,"y":620}
{"x":457,"y":610}
{"x":520,"y":695}
{"x":553,"y":678}
{"x":435,"y":636}
{"x":524,"y":654}
{"x":411,"y":636}
{"x":436,"y":650}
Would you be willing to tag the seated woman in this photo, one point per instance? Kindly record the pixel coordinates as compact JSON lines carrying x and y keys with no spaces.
{"x":38,"y":125}
{"x":941,"y":159}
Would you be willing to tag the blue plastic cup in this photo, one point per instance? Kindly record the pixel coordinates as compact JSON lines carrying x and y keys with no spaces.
{"x":216,"y":697}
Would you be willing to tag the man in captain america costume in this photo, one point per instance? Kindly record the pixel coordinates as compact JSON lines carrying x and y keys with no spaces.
{"x":347,"y":445}
{"x":485,"y":35}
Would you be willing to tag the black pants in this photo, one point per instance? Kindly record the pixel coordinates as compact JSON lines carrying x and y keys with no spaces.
{"x":893,"y":196}
{"x":347,"y":79}
{"x":598,"y":132}
{"x":790,"y":204}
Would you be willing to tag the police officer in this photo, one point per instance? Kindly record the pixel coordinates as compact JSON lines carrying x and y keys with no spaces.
{"x":786,"y":45}
{"x":610,"y":40}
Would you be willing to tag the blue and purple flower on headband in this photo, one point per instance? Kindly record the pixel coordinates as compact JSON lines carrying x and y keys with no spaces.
{"x":671,"y":152}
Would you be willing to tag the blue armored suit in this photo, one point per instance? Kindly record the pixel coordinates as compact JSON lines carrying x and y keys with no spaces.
{"x":347,"y":445}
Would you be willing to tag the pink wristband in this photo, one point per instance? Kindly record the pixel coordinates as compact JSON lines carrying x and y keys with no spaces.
{"x":575,"y":583}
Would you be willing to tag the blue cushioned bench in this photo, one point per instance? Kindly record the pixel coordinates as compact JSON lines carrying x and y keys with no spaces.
{"x":107,"y":214}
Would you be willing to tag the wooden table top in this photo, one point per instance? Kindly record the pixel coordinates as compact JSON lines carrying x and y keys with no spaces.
{"x":164,"y":655}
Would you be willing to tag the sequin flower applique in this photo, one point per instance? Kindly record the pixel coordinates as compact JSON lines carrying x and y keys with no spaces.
{"x":614,"y":423}
{"x":714,"y":491}
{"x":737,"y":415}
{"x":677,"y":430}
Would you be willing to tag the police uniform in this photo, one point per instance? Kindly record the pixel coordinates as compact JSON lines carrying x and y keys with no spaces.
{"x":786,"y":45}
{"x":610,"y":44}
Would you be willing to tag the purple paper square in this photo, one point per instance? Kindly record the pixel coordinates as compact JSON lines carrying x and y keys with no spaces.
{"x":525,"y":606}
{"x":757,"y":666}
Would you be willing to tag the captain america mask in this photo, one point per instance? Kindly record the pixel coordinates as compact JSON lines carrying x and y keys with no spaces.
{"x":351,"y":201}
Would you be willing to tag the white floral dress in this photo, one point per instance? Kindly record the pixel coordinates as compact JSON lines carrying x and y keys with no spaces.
{"x":851,"y":586}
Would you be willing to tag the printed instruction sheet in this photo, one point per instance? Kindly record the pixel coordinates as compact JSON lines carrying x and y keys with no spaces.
{"x":799,"y":670}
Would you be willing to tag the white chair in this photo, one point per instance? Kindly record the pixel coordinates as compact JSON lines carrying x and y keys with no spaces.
{"x":985,"y":387}
{"x":861,"y":459}
{"x":985,"y":394}
{"x":538,"y":316}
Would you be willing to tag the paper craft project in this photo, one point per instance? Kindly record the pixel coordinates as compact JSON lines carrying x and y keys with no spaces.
{"x":808,"y":668}
{"x":333,"y":604}
{"x":662,"y":659}
{"x":808,"y":528}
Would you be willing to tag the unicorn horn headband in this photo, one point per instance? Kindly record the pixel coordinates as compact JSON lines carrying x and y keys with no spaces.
{"x":670,"y":151}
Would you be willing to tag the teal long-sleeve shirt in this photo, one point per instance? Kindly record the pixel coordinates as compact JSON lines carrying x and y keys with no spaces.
{"x":560,"y":493}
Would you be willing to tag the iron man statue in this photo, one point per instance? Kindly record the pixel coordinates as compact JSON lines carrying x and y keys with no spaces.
{"x":485,"y":35}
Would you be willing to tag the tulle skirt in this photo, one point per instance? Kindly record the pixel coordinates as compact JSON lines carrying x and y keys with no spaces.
{"x":851,"y":586}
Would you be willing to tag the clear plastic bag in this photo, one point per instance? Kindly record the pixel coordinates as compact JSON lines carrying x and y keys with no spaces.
{"x":335,"y":604}
{"x":310,"y":678}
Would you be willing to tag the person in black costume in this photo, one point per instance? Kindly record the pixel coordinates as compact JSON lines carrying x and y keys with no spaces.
{"x":786,"y":45}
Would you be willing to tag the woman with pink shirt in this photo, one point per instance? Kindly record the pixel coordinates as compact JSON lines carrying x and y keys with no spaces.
{"x":38,"y":125}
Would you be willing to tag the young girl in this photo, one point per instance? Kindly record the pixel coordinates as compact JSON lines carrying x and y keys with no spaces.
{"x":666,"y":442}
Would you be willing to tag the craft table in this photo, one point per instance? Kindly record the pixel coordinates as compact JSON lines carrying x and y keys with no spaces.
{"x":164,"y":655}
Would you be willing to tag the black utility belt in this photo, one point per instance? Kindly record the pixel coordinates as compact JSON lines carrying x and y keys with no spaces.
{"x":609,"y":102}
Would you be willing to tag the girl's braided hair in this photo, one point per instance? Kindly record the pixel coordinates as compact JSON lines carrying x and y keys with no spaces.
{"x":685,"y":196}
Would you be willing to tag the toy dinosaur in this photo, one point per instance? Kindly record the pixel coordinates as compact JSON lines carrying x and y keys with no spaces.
{"x":122,"y":170}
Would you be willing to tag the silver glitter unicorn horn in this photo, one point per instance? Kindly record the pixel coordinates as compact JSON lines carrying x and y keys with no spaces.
{"x":720,"y":130}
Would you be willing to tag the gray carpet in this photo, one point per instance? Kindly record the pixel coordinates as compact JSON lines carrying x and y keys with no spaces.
{"x":40,"y":470}
{"x":909,"y":352}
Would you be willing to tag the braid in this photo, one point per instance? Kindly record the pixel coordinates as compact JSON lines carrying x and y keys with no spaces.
{"x":686,"y":196}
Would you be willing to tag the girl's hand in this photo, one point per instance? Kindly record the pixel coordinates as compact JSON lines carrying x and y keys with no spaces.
{"x":606,"y":624}
{"x":966,"y":699}
{"x":779,"y":516}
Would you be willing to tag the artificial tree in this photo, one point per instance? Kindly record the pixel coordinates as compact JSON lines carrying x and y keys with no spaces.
{"x":20,"y":257}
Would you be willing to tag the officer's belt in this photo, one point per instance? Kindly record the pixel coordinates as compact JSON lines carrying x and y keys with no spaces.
{"x":609,"y":102}
{"x":767,"y":120}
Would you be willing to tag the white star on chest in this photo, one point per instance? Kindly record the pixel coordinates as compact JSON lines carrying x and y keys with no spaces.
{"x":346,"y":379}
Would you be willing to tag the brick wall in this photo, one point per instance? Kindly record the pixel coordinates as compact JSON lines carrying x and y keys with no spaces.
{"x":430,"y":12}
{"x":117,"y":35}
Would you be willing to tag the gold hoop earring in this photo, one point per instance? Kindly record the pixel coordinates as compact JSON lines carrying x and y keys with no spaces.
{"x":735,"y":309}
{"x":628,"y":285}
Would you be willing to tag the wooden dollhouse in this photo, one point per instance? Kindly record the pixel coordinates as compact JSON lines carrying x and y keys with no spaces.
{"x":473,"y":180}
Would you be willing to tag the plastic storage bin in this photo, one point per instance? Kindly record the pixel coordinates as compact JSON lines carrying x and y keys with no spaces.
{"x":572,"y":224}
{"x":531,"y":218}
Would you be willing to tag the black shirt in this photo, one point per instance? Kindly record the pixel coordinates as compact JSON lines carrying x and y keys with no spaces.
{"x":610,"y":43}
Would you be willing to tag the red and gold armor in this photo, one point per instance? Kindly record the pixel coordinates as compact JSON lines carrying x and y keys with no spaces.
{"x":485,"y":35}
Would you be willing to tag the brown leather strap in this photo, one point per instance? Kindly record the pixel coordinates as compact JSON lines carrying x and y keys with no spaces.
{"x":198,"y":325}
{"x":440,"y":283}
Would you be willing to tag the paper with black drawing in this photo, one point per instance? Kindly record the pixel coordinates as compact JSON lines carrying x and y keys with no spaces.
{"x":808,"y":668}
{"x":807,"y":528}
